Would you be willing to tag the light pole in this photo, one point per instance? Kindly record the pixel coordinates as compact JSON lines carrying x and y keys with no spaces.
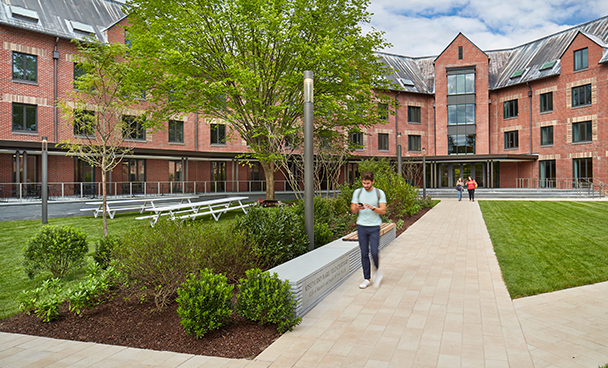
{"x":45,"y":193}
{"x":424,"y":173}
{"x":399,"y":153}
{"x":309,"y":199}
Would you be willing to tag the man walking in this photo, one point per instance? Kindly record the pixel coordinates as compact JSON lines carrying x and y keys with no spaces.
{"x":369,"y":203}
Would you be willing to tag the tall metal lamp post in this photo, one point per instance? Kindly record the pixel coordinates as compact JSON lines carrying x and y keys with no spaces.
{"x":399,"y":153}
{"x":45,"y":192}
{"x":309,"y":199}
{"x":424,"y":173}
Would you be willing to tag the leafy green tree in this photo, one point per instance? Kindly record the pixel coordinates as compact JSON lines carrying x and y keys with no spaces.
{"x":242,"y":61}
{"x":107,"y":110}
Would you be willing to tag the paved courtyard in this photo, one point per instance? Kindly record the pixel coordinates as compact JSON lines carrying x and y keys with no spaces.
{"x":442,"y":303}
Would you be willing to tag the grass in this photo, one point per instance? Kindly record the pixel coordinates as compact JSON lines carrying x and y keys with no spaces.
{"x":545,"y":246}
{"x":15,"y":235}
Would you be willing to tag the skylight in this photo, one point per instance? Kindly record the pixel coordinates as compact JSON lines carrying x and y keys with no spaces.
{"x":405,"y":82}
{"x":517,"y":74}
{"x":548,"y":65}
{"x":82,"y":27}
{"x":24,"y":13}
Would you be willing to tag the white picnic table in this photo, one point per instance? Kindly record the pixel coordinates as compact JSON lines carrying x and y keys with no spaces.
{"x":213,"y":207}
{"x":133,"y":204}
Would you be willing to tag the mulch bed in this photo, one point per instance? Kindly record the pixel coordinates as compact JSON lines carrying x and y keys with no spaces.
{"x":138,"y":325}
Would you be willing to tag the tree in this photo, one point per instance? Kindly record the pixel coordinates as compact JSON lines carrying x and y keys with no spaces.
{"x":242,"y":61}
{"x":107,"y":108}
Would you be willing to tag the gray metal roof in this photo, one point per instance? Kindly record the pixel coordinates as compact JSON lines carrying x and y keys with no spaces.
{"x":528,"y":59}
{"x":62,"y":18}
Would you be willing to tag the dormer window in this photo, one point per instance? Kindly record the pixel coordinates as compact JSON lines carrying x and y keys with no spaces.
{"x":24,"y":14}
{"x":82,"y":27}
{"x":581,"y":59}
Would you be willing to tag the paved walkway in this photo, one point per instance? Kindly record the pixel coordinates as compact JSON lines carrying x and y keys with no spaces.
{"x":442,"y":303}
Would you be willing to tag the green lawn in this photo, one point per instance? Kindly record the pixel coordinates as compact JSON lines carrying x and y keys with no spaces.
{"x":15,"y":235}
{"x":545,"y":246}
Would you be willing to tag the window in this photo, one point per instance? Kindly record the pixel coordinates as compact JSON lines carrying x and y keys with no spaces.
{"x":581,"y":132}
{"x":25,"y":118}
{"x":459,"y":52}
{"x":547,"y":173}
{"x":413,"y":114}
{"x":128,"y":42}
{"x":461,"y":114}
{"x":512,"y":139}
{"x":25,"y":67}
{"x":218,"y":176}
{"x":581,"y":59}
{"x":582,"y":169}
{"x":581,"y":95}
{"x":382,"y":141}
{"x":510,"y":109}
{"x":546,"y":136}
{"x":546,"y":102}
{"x":176,"y":131}
{"x":461,"y":144}
{"x":356,"y":140}
{"x":414,"y":143}
{"x":84,"y":121}
{"x":134,"y":128}
{"x":459,"y":84}
{"x":218,"y":134}
{"x":134,"y":171}
{"x":78,"y":72}
{"x":383,"y":109}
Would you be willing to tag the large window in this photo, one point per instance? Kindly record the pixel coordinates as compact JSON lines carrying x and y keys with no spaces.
{"x":546,"y":102}
{"x":25,"y":67}
{"x":356,"y":140}
{"x":582,"y":170}
{"x":383,"y":110}
{"x":581,"y":95}
{"x":414,"y":143}
{"x":383,"y":141}
{"x":134,"y":128}
{"x":581,"y":59}
{"x":84,"y":123}
{"x":461,"y":114}
{"x":461,"y":144}
{"x":78,"y":72}
{"x":218,"y":176}
{"x":135,"y":172}
{"x":547,"y":173}
{"x":581,"y":132}
{"x":512,"y":139}
{"x":218,"y":134}
{"x":25,"y":118}
{"x":459,"y":84}
{"x":413,"y":114}
{"x":510,"y":109}
{"x":176,"y":131}
{"x":546,"y":136}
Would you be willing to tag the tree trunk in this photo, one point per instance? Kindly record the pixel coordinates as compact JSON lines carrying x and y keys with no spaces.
{"x":104,"y":200}
{"x":269,"y":175}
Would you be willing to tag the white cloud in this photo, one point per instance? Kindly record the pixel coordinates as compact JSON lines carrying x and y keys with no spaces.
{"x":425,"y":28}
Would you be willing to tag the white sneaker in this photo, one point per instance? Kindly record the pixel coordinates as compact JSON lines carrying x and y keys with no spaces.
{"x":378,"y":278}
{"x":364,"y":284}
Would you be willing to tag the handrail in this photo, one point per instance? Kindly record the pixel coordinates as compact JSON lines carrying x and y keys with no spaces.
{"x":593,"y":186}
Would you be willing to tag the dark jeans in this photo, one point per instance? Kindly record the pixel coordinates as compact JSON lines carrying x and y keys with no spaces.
{"x":369,"y":239}
{"x":471,"y":194}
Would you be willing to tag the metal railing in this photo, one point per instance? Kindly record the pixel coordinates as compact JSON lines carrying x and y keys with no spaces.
{"x":589,"y":187}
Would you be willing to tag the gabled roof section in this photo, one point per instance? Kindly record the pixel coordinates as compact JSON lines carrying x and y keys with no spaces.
{"x":410,"y":74}
{"x":62,"y":18}
{"x":454,"y":40}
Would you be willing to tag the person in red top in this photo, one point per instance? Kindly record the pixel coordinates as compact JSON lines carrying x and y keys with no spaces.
{"x":471,"y":185}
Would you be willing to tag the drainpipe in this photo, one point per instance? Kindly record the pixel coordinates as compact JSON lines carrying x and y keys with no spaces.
{"x":530,"y":97}
{"x":489,"y":124}
{"x":55,"y":59}
{"x":397,"y":119}
{"x":434,"y":129}
{"x":196,"y":131}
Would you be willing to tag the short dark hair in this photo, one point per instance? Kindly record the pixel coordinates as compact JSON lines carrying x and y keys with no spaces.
{"x":368,"y":175}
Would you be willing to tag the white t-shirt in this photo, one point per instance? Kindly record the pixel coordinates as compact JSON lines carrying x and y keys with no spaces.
{"x":367,"y":217}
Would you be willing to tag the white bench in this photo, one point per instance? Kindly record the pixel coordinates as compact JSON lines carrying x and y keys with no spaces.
{"x":131,"y":205}
{"x":213,"y":207}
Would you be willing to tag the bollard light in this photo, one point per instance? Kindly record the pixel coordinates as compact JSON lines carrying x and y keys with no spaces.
{"x":309,"y":199}
{"x":44,"y":189}
{"x":399,"y":153}
{"x":424,"y":173}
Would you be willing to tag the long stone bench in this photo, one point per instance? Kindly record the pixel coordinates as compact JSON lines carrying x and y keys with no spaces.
{"x":314,"y":275}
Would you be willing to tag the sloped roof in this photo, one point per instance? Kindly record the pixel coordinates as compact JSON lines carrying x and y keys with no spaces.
{"x":62,"y":18}
{"x":535,"y":60}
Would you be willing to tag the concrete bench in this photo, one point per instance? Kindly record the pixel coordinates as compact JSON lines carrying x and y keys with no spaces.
{"x":314,"y":275}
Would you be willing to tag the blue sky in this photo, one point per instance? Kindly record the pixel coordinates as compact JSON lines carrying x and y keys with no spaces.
{"x":425,"y":27}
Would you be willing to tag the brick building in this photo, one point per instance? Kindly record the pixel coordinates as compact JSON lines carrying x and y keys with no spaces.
{"x":532,"y":115}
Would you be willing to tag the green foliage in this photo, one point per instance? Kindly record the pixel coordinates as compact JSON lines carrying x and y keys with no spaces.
{"x":45,"y":300}
{"x":400,"y":224}
{"x":429,"y":202}
{"x":277,"y":234}
{"x":204,"y":302}
{"x":266,"y":299}
{"x":91,"y":291}
{"x":103,"y":251}
{"x":58,"y":250}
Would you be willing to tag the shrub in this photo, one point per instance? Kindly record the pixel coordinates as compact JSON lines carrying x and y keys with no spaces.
{"x":204,"y":302}
{"x":56,"y":249}
{"x":45,"y":300}
{"x":90,"y":292}
{"x":277,"y":234}
{"x":266,"y":299}
{"x":103,"y":251}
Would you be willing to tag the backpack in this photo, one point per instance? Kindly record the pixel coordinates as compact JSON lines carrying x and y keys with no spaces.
{"x":361,"y":189}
